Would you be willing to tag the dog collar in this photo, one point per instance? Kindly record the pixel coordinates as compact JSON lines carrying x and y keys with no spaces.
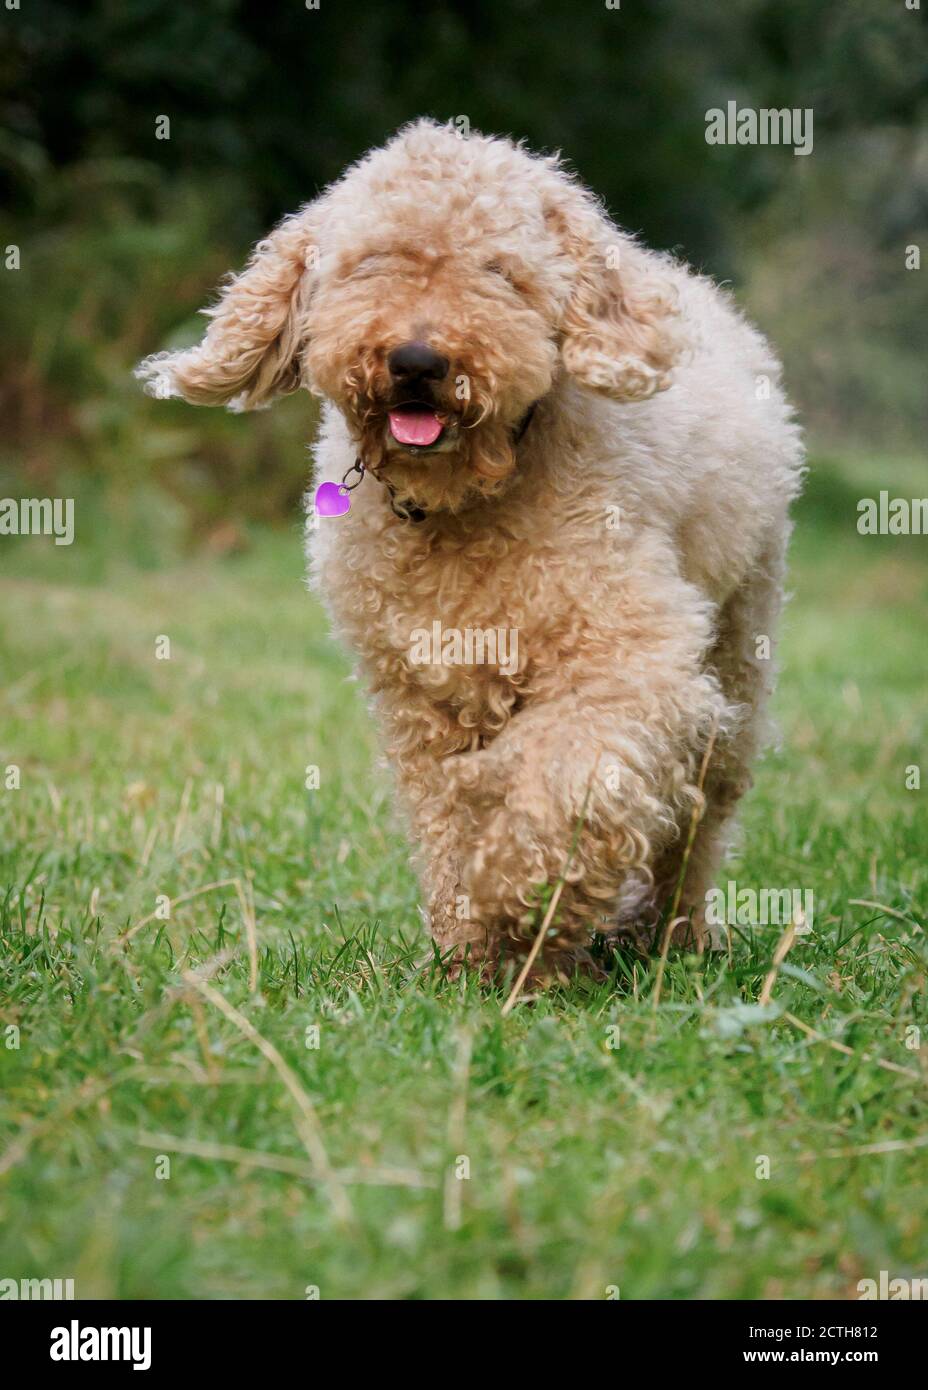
{"x":524,"y":423}
{"x":334,"y":499}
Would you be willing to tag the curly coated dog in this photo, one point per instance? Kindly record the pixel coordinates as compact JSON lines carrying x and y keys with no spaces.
{"x":564,"y":572}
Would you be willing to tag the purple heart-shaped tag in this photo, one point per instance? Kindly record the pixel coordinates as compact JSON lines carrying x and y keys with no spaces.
{"x":331,"y":500}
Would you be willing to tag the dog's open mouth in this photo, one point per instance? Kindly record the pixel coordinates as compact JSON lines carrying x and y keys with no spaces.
{"x":416,"y":425}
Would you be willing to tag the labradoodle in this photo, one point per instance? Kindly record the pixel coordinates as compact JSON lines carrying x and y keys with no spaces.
{"x":563,"y":574}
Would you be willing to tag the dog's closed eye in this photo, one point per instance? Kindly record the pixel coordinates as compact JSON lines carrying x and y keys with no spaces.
{"x":368,"y":265}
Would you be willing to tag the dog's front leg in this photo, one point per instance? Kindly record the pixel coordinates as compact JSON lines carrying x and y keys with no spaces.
{"x":589,"y":787}
{"x":436,"y":815}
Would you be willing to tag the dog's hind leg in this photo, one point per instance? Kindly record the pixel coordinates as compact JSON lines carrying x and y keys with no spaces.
{"x":743,"y":659}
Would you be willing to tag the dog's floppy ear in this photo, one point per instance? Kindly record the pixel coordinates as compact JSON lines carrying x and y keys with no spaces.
{"x":250,"y":352}
{"x":620,"y":333}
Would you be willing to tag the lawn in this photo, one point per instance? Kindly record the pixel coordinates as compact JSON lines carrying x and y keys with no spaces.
{"x":273,"y":1089}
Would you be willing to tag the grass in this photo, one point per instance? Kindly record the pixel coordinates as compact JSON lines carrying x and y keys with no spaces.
{"x":609,"y":1143}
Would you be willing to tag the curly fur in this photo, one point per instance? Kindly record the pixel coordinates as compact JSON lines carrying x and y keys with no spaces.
{"x":636,"y":641}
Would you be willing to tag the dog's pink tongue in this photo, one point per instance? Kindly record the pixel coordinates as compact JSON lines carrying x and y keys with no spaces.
{"x":415,"y":425}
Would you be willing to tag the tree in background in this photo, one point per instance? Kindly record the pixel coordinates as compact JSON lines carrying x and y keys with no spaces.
{"x":123,"y":232}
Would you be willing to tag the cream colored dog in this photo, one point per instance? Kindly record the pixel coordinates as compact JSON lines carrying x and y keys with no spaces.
{"x":580,"y":452}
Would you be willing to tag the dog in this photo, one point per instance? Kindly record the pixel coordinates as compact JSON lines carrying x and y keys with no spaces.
{"x":539,"y":430}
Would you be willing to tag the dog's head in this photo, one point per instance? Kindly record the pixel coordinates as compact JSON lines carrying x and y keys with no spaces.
{"x":433,"y":294}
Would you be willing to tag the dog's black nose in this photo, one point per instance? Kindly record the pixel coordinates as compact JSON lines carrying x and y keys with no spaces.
{"x":417,"y":362}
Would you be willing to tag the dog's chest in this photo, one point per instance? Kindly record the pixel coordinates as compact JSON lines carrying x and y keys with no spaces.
{"x":461,"y":626}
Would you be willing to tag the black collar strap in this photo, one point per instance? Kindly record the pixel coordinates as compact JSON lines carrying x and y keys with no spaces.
{"x":524,"y":424}
{"x":416,"y":514}
{"x":400,"y":509}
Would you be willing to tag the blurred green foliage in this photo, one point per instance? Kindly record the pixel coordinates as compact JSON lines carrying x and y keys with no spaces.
{"x":123,"y":236}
